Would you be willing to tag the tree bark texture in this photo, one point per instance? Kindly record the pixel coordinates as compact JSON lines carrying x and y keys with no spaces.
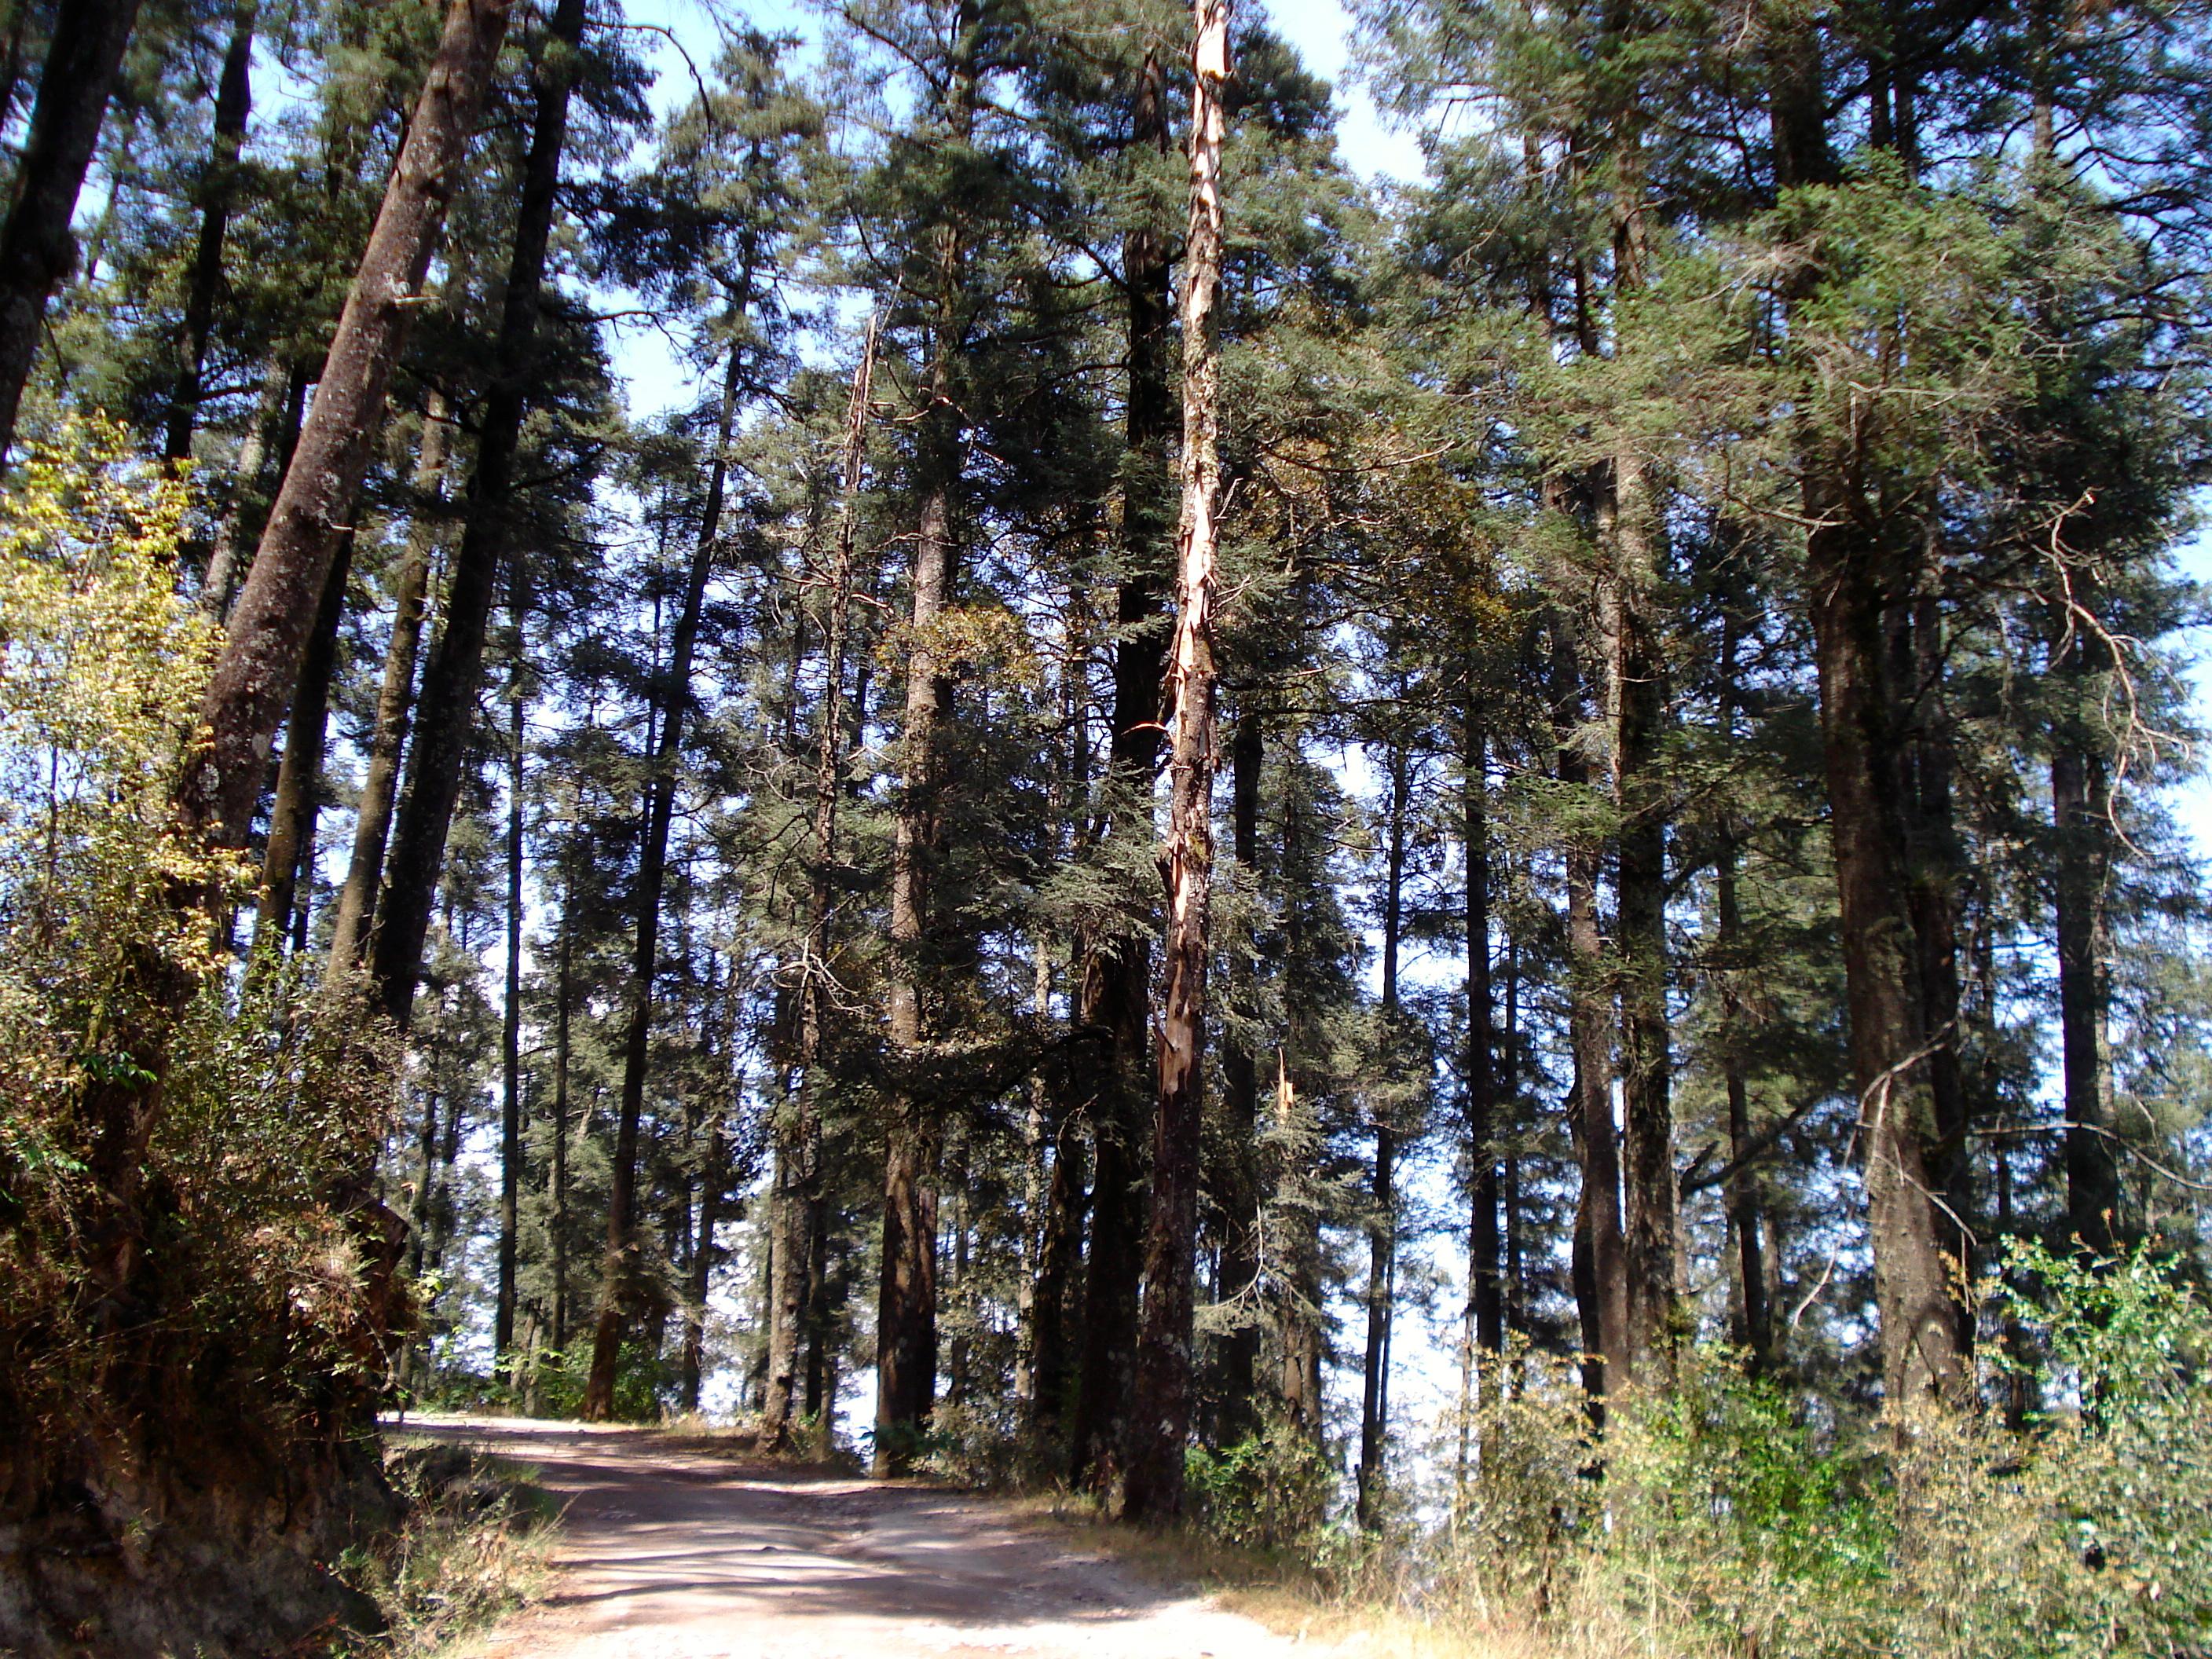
{"x":1113,"y":979}
{"x":1599,"y":1257}
{"x":2080,"y":801}
{"x":1160,"y":1419}
{"x":299,"y":774}
{"x":260,"y":661}
{"x":395,"y":694}
{"x":906,"y":1300}
{"x":1861,"y":743}
{"x":450,"y":683}
{"x":1889,"y":1044}
{"x":1636,"y":692}
{"x":84,"y":54}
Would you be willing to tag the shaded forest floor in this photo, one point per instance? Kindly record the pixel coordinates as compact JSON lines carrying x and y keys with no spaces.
{"x":674,"y":1547}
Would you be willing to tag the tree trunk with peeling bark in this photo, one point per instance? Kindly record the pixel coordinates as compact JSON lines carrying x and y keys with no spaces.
{"x":1160,"y":1422}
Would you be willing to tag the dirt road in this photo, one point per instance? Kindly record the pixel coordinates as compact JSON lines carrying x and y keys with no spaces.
{"x":675,"y":1553}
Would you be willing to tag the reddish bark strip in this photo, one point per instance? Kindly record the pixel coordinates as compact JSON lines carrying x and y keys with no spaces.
{"x":1160,"y":1424}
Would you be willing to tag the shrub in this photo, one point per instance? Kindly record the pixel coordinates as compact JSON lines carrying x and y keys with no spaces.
{"x":1730,"y":1516}
{"x":193,"y":1302}
{"x":1270,"y":1491}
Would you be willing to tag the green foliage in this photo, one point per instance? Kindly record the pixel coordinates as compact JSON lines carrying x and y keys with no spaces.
{"x":261,"y":1282}
{"x":2092,"y":1529}
{"x":1731,"y":1513}
{"x":1271,"y":1491}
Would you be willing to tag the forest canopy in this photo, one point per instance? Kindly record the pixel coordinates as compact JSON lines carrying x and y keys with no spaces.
{"x":903,"y":724}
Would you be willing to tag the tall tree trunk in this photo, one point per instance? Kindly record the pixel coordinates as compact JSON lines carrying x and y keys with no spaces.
{"x":1889,"y":1049}
{"x":674,"y":699}
{"x":1114,"y":982}
{"x":410,"y":590}
{"x":1057,"y":1210}
{"x":1861,"y":743}
{"x":1382,"y":1223}
{"x":1599,"y":1263}
{"x":1240,"y":1079}
{"x":556,"y":1224}
{"x":1638,"y":692}
{"x":1629,"y":534}
{"x":218,"y":190}
{"x":1514,"y":1316}
{"x":1159,"y":1427}
{"x":259,"y":665}
{"x":1755,"y":1331}
{"x":1485,"y":1310}
{"x":712,"y":1173}
{"x":1932,"y":838}
{"x":1300,"y":1312}
{"x":798,"y":1221}
{"x":2081,"y":802}
{"x":84,"y":54}
{"x":1036,"y":1145}
{"x":1060,"y":1254}
{"x":713,"y":1179}
{"x":906,"y":1302}
{"x":299,"y":776}
{"x":510,"y":1024}
{"x":455,"y":673}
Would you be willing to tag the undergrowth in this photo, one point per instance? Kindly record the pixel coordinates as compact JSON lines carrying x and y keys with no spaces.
{"x":476,"y":1545}
{"x":1734,"y":1516}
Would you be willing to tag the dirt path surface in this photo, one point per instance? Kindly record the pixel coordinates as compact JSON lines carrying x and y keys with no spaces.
{"x":671,"y":1552}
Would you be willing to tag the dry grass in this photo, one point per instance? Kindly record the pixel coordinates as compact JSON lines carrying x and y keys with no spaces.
{"x":476,"y":1545}
{"x":1284,"y":1593}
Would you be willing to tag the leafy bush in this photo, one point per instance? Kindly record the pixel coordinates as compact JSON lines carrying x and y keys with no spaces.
{"x":1727,"y":1516}
{"x":1271,"y":1491}
{"x":192,"y":1299}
